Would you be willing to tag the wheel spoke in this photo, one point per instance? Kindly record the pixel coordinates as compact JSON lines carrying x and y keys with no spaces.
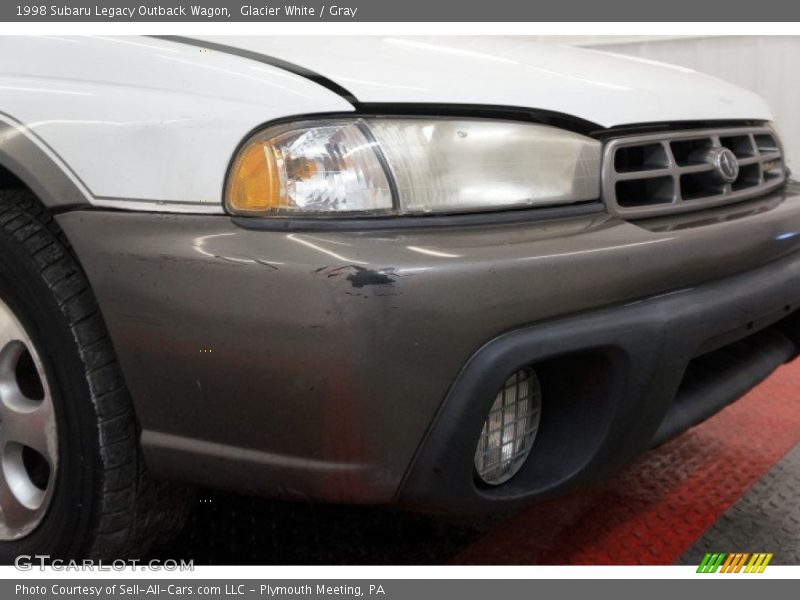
{"x":10,"y":394}
{"x":33,"y":428}
{"x":13,"y":484}
{"x":9,"y":330}
{"x":23,"y":420}
{"x":10,"y":352}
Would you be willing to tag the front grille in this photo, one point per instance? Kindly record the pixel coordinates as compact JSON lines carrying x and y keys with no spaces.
{"x":655,"y":174}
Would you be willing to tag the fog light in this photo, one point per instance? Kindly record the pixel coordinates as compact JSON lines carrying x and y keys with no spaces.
{"x":510,"y":428}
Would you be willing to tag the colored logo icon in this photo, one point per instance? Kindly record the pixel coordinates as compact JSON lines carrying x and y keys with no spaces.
{"x":736,"y":562}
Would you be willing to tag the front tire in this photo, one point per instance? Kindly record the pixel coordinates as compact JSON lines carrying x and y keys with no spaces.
{"x":72,"y":480}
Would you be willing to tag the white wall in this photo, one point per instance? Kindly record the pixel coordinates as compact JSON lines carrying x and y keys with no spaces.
{"x":768,"y":65}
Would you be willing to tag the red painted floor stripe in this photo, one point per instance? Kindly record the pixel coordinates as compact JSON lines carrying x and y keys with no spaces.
{"x":652,"y":512}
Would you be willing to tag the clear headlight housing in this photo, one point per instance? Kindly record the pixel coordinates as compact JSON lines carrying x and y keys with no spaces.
{"x":381,"y":165}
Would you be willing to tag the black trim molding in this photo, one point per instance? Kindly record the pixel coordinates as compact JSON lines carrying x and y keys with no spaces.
{"x":593,"y":207}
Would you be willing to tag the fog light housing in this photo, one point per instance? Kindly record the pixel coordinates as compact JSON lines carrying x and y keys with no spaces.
{"x":510,"y":428}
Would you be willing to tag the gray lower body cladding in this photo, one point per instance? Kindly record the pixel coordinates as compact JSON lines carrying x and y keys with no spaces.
{"x":615,"y":381}
{"x":316,"y":364}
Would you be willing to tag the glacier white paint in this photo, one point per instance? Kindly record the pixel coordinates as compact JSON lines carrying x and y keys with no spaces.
{"x":607,"y":90}
{"x":142,"y":121}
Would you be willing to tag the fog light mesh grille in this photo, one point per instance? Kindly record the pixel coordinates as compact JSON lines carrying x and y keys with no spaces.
{"x":510,"y":428}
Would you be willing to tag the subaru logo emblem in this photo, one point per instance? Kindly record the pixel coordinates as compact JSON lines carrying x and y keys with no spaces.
{"x":725,"y":164}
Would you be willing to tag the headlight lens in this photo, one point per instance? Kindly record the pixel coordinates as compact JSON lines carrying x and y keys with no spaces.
{"x":331,"y":167}
{"x":411,"y":166}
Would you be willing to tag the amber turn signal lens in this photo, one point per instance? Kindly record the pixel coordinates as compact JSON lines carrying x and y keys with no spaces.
{"x":255,"y":183}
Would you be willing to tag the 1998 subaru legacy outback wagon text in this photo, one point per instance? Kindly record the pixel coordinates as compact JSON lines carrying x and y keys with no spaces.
{"x":448,"y":275}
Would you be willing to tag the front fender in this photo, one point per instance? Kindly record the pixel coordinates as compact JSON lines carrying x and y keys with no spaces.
{"x":137,"y":120}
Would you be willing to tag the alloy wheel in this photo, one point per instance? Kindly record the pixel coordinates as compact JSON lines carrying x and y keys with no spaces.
{"x":28,"y":435}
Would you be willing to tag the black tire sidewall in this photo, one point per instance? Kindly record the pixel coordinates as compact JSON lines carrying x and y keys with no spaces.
{"x":71,"y":513}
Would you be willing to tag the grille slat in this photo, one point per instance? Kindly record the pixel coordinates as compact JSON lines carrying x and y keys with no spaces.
{"x":656,"y":174}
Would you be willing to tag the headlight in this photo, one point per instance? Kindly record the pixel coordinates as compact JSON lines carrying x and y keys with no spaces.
{"x":369,"y":166}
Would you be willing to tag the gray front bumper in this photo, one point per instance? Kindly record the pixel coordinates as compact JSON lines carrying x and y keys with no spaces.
{"x":312,"y":363}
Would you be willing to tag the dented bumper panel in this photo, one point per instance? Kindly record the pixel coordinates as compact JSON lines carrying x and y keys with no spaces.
{"x":312,"y":363}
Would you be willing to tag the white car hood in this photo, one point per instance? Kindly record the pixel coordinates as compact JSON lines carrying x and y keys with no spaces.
{"x":603,"y":88}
